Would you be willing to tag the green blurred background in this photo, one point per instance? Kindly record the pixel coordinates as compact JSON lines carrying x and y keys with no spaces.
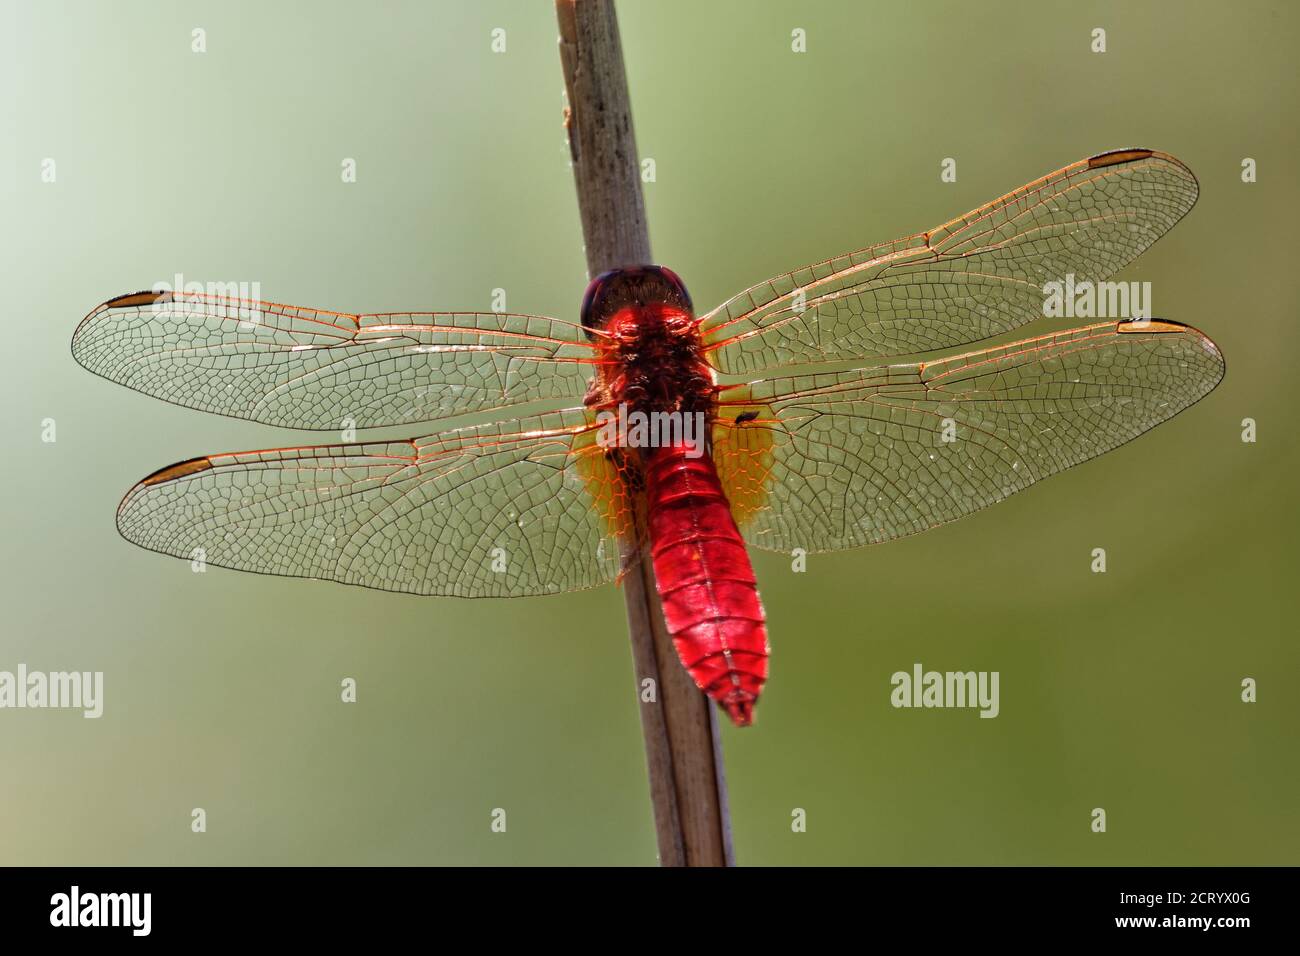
{"x":1118,"y":690}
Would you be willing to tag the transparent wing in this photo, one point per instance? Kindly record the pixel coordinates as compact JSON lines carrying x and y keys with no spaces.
{"x":532,"y":506}
{"x":306,"y":368}
{"x":977,"y":276}
{"x":840,"y":460}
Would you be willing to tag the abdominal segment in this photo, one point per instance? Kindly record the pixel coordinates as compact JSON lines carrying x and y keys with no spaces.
{"x":705,"y":581}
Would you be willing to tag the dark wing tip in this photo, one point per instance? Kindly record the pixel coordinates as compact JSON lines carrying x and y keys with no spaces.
{"x":1154,"y":326}
{"x":1135,"y":154}
{"x":136,"y":299}
{"x":181,"y":469}
{"x":1115,"y":157}
{"x":1168,"y":327}
{"x":130,"y":300}
{"x":127,"y":526}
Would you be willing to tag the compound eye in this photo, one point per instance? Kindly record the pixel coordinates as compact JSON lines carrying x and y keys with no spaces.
{"x":676,"y":281}
{"x":592,"y":317}
{"x":630,"y":286}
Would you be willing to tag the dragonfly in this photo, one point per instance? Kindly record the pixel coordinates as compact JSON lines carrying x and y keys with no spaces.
{"x":814,"y":457}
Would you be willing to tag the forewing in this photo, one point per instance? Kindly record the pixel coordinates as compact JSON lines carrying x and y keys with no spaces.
{"x":840,"y":460}
{"x":310,"y":369}
{"x":979,"y":275}
{"x":531,"y":506}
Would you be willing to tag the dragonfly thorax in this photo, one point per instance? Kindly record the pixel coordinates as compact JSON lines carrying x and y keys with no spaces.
{"x":653,"y":362}
{"x":642,"y":319}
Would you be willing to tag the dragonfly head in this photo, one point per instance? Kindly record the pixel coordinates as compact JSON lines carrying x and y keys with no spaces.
{"x":631,"y":285}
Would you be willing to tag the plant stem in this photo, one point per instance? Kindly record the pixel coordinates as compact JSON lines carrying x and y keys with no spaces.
{"x":683,"y":748}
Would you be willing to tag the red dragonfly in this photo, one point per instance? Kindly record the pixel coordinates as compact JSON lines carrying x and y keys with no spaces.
{"x":819,"y":460}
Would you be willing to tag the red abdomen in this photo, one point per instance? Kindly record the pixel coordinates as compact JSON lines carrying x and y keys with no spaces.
{"x":705,"y":581}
